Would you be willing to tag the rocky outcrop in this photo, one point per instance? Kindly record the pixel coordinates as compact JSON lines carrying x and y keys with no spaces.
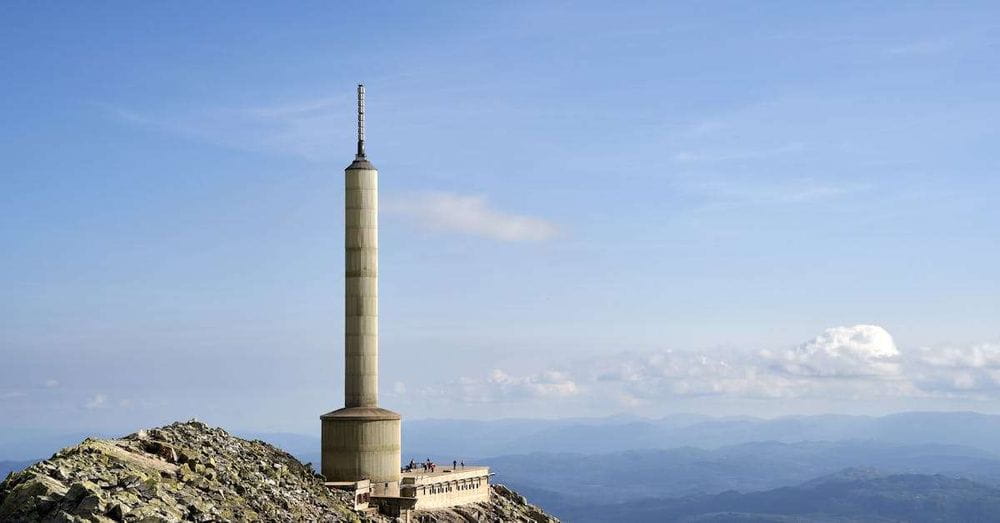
{"x":505,"y":505}
{"x":185,"y":471}
{"x":192,"y":472}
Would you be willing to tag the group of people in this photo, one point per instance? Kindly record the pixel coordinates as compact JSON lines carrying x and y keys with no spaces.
{"x":430,"y":466}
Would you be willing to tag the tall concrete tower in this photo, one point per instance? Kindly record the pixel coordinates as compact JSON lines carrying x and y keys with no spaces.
{"x":361,"y":440}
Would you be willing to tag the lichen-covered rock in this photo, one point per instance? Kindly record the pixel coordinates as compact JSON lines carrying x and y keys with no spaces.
{"x":164,"y":475}
{"x":193,"y":472}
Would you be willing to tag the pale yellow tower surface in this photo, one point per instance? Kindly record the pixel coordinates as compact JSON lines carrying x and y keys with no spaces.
{"x":361,"y":440}
{"x":361,"y":285}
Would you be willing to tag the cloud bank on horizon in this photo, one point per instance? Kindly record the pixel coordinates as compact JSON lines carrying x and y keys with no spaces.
{"x":858,"y":367}
{"x":858,"y":362}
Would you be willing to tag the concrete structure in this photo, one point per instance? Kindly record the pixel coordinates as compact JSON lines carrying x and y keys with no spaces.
{"x":361,"y":441}
{"x":360,"y":489}
{"x":446,"y":488}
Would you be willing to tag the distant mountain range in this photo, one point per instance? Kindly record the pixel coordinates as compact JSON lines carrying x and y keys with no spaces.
{"x":709,"y":469}
{"x":850,"y":496}
{"x":561,"y":481}
{"x":745,"y":467}
{"x":603,"y":435}
{"x":475,"y":439}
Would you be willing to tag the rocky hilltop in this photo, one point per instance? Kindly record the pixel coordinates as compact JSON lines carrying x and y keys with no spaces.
{"x":192,"y":472}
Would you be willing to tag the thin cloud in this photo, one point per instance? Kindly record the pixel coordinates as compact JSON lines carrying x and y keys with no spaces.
{"x":959,"y":371}
{"x":97,"y":401}
{"x":721,"y":191}
{"x":470,"y":215}
{"x":927,"y":47}
{"x":12,"y":395}
{"x":501,"y":387}
{"x":697,"y":156}
{"x":548,"y":384}
{"x":302,"y":129}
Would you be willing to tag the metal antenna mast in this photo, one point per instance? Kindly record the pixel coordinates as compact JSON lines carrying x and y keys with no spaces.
{"x":361,"y":121}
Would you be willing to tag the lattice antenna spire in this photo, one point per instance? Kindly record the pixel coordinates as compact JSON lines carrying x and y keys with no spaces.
{"x":361,"y":121}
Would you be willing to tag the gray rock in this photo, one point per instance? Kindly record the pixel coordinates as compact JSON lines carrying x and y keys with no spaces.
{"x":82,"y":489}
{"x":117,"y":512}
{"x":89,"y":505}
{"x":192,"y":472}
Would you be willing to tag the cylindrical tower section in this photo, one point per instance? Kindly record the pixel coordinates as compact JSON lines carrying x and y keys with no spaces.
{"x":361,"y":443}
{"x":361,"y":285}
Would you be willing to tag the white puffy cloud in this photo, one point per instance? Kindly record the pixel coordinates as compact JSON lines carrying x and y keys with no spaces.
{"x":499,"y":386}
{"x":957,"y":370}
{"x":688,"y":373}
{"x":842,"y":362}
{"x":859,"y":350}
{"x":548,"y":384}
{"x":847,"y":362}
{"x":856,"y":363}
{"x":468,"y":214}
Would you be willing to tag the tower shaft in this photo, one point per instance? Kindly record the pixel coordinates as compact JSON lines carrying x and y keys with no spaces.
{"x":361,"y":285}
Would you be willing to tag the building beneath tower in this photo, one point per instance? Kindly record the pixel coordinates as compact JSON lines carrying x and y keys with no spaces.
{"x":361,"y":442}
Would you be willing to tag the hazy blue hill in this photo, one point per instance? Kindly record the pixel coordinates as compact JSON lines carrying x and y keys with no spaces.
{"x":469,"y":437}
{"x":589,"y":436}
{"x":440,"y":439}
{"x":960,"y":428}
{"x":6,"y":467}
{"x":558,"y":479}
{"x":842,"y":497}
{"x":19,"y":445}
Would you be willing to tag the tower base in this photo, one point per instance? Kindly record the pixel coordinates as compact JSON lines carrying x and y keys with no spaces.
{"x":361,"y":443}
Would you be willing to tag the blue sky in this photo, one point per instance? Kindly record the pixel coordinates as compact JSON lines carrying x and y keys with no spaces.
{"x":587,"y":210}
